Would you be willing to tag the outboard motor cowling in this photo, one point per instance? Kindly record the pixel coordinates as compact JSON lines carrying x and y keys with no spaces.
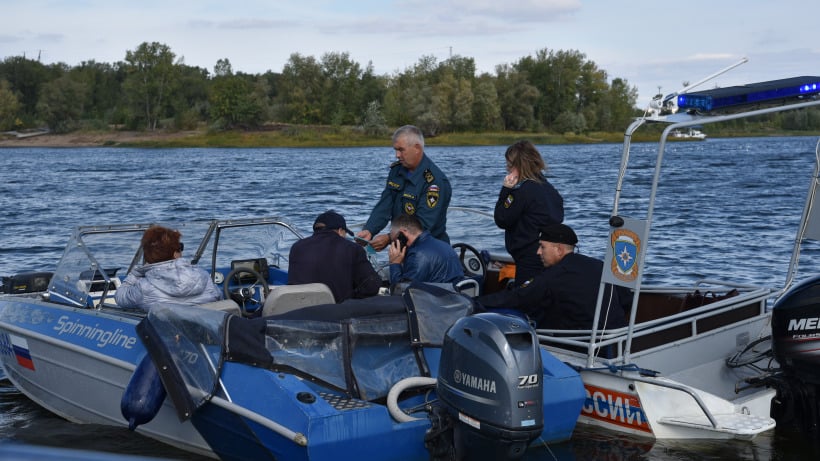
{"x":796,"y":346}
{"x":796,"y":330}
{"x":490,"y":381}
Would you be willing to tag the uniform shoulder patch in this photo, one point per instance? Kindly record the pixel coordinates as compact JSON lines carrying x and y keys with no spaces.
{"x":428,"y":176}
{"x":508,"y":201}
{"x":432,"y":196}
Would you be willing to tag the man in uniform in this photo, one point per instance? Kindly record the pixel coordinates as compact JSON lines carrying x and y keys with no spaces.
{"x":564,"y":296}
{"x":415,"y":186}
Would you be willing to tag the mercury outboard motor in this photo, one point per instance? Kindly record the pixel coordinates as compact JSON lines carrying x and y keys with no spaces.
{"x":796,"y":346}
{"x":490,"y":382}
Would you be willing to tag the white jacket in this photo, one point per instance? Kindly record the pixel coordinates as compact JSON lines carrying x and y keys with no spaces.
{"x":175,"y":281}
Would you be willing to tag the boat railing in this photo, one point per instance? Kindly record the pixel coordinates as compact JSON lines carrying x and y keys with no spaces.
{"x":657,"y":332}
{"x":724,"y":283}
{"x":809,"y":227}
{"x":679,"y":120}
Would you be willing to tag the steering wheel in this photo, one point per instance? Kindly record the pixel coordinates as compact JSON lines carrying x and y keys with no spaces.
{"x":245,"y":296}
{"x":471,"y":260}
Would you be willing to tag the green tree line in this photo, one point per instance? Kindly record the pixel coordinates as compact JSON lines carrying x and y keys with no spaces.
{"x":152,"y":88}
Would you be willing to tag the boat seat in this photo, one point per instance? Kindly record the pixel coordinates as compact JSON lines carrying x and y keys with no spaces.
{"x":226,"y":305}
{"x":285,"y":298}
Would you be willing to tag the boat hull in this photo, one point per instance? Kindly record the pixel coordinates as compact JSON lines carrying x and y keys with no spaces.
{"x":659,"y":400}
{"x":359,"y":431}
{"x":338,"y":428}
{"x":77,"y":363}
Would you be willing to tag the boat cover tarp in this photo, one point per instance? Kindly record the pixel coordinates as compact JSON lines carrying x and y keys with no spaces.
{"x":359,"y":348}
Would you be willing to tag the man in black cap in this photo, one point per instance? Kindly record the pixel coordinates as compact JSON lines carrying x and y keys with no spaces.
{"x":564,"y":296}
{"x":330,"y":258}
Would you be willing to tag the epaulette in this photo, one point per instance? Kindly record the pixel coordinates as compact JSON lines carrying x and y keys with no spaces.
{"x":396,"y":163}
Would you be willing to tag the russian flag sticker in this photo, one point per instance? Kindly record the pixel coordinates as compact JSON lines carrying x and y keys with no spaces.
{"x":21,"y":352}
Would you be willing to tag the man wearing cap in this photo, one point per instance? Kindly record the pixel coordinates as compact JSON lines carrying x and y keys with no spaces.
{"x":564,"y":296}
{"x":329,"y":257}
{"x":415,"y":186}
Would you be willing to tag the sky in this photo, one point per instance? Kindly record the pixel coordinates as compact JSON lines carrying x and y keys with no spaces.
{"x":652,"y":44}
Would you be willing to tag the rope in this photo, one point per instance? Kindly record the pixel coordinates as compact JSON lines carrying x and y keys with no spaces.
{"x":617,"y":368}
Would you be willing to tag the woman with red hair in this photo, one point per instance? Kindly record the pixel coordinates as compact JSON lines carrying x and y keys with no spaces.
{"x":165,"y":278}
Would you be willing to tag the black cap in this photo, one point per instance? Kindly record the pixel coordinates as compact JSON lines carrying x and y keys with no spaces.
{"x":331,"y":221}
{"x":558,"y":233}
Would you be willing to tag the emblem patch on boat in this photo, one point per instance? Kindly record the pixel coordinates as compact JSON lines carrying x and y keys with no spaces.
{"x":625,"y":248}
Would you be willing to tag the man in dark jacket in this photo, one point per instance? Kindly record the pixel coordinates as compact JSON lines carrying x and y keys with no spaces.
{"x":328,"y":257}
{"x":564,"y":296}
{"x":414,"y":254}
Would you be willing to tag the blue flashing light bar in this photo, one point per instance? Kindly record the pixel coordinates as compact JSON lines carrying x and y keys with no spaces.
{"x":744,"y":95}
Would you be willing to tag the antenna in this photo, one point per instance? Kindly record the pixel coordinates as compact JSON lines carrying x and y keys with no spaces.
{"x":669,"y":103}
{"x":686,"y":89}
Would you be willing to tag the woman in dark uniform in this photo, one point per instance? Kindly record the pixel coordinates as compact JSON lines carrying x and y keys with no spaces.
{"x":527,"y":202}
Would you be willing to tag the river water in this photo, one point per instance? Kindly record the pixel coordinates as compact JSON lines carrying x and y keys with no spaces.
{"x":726,"y":208}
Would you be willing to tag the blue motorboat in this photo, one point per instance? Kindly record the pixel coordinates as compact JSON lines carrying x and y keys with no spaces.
{"x":278,"y":371}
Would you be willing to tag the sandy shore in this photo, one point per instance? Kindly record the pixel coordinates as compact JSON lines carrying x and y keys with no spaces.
{"x":90,"y":139}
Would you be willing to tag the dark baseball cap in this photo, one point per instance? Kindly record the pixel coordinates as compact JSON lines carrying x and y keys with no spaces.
{"x":558,"y":233}
{"x":331,"y":221}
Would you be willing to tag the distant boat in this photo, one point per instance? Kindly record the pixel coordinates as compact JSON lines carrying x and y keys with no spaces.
{"x":691,"y":133}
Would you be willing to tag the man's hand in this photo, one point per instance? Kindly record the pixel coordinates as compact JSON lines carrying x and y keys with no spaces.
{"x":395,"y":253}
{"x":379,"y":242}
{"x":364,"y":234}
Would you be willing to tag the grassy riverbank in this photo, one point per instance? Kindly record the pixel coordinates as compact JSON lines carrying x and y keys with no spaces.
{"x":325,"y":136}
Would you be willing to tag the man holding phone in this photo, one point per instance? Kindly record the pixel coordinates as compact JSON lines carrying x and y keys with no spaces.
{"x":414,"y":254}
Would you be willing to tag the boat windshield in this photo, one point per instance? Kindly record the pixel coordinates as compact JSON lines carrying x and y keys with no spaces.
{"x":93,"y":257}
{"x":97,"y":257}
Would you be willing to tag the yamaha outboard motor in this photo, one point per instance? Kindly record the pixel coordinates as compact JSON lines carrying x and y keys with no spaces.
{"x":796,"y":346}
{"x":490,"y":382}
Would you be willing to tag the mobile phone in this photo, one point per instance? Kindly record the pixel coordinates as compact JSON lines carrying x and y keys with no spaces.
{"x":402,"y":240}
{"x":361,"y":241}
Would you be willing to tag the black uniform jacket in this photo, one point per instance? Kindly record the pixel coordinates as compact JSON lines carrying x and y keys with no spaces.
{"x":339,"y":263}
{"x":563,"y":296}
